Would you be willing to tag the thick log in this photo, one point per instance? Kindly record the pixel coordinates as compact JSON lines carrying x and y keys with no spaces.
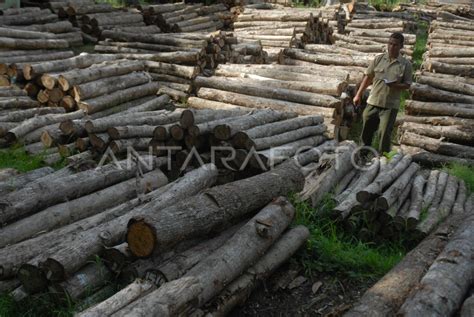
{"x":199,"y":103}
{"x":437,"y":145}
{"x":250,"y":241}
{"x":389,"y":293}
{"x":261,"y":103}
{"x":416,"y":205}
{"x":80,"y":248}
{"x":438,"y":120}
{"x":174,"y":94}
{"x":82,"y":61}
{"x":437,"y":212}
{"x":43,"y":16}
{"x":229,"y":129}
{"x":83,"y":207}
{"x":461,"y":197}
{"x":107,"y":101}
{"x":284,"y":138}
{"x":434,"y":66}
{"x":41,"y":121}
{"x":53,"y":27}
{"x":428,"y":93}
{"x":43,"y":194}
{"x":18,"y":102}
{"x":328,"y":59}
{"x":165,"y":39}
{"x":17,"y":182}
{"x":238,"y":291}
{"x":261,"y":90}
{"x":445,"y":84}
{"x":413,"y":107}
{"x":188,"y":72}
{"x":468,"y":307}
{"x":445,"y":285}
{"x":76,"y":77}
{"x":244,"y":139}
{"x":458,"y":134}
{"x":451,"y":52}
{"x":108,"y":85}
{"x":21,"y":115}
{"x":38,"y":58}
{"x":237,"y":190}
{"x":126,"y":132}
{"x":11,"y":92}
{"x":388,"y":198}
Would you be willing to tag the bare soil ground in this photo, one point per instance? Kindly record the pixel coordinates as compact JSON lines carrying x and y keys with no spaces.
{"x":288,"y":292}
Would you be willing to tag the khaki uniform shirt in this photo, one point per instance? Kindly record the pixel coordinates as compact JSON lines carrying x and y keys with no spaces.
{"x":382,"y":69}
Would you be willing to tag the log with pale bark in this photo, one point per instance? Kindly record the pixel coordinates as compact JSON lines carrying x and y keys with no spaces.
{"x":107,"y":101}
{"x":437,"y":145}
{"x":78,"y":249}
{"x":260,"y":102}
{"x":83,"y":207}
{"x":18,"y":103}
{"x":445,"y":84}
{"x":108,"y":85}
{"x":328,"y":59}
{"x":237,"y":190}
{"x":389,"y":293}
{"x":453,"y":133}
{"x":260,"y":90}
{"x":462,"y":110}
{"x":229,"y":129}
{"x":32,"y":44}
{"x":81,"y":61}
{"x":68,"y":79}
{"x":438,"y":120}
{"x":446,"y":283}
{"x":211,"y":274}
{"x":414,"y":212}
{"x":434,"y":66}
{"x":165,"y":39}
{"x":428,"y":93}
{"x":42,"y":57}
{"x":17,"y":182}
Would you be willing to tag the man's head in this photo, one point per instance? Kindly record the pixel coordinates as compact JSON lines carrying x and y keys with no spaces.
{"x":395,"y":44}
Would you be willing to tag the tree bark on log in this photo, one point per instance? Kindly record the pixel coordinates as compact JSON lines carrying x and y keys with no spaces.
{"x":428,"y":93}
{"x":389,"y":293}
{"x":127,"y":132}
{"x":413,"y":107}
{"x":460,"y":198}
{"x":444,"y":286}
{"x":18,"y":103}
{"x":242,"y":138}
{"x":11,"y":92}
{"x":267,"y":92}
{"x":239,"y":290}
{"x":229,"y":129}
{"x":383,"y":180}
{"x":108,"y":85}
{"x":107,"y":101}
{"x":29,"y":44}
{"x":468,"y":307}
{"x":416,"y":205}
{"x":250,"y":241}
{"x":328,"y":59}
{"x":442,"y":209}
{"x":284,"y":138}
{"x":437,"y":145}
{"x":174,"y":94}
{"x":212,"y":203}
{"x":458,"y":134}
{"x":199,"y":103}
{"x":438,"y":120}
{"x":50,"y":56}
{"x":17,"y":182}
{"x":80,"y":248}
{"x":188,"y":72}
{"x":189,"y":118}
{"x":165,"y":39}
{"x":78,"y":76}
{"x":41,"y":121}
{"x":80,"y":208}
{"x":457,"y":87}
{"x":82,"y":61}
{"x":43,"y":194}
{"x":434,"y":66}
{"x":261,"y":103}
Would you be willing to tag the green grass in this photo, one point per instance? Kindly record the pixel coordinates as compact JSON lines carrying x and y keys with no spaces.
{"x":17,"y":158}
{"x":463,"y":172}
{"x":34,"y":306}
{"x":332,"y":249}
{"x":420,"y":45}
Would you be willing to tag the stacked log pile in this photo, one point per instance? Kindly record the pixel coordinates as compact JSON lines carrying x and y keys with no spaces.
{"x":438,"y":125}
{"x":55,"y":33}
{"x":191,"y":49}
{"x":433,"y":279}
{"x":433,"y":9}
{"x":106,"y":215}
{"x":180,"y":17}
{"x":394,"y":199}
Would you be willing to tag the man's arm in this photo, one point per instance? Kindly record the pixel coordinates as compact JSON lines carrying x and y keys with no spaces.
{"x":366,"y":82}
{"x":405,"y":81}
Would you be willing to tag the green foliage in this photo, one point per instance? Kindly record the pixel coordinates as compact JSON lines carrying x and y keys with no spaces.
{"x":17,"y":158}
{"x":463,"y":172}
{"x":34,"y":306}
{"x":332,"y":249}
{"x":420,"y":45}
{"x":386,"y":5}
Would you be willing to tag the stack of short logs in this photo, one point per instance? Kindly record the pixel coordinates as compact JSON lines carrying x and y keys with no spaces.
{"x":180,"y":17}
{"x":56,"y":33}
{"x":389,"y":198}
{"x":439,"y":124}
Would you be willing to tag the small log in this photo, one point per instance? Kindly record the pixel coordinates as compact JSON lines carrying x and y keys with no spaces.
{"x":383,"y":180}
{"x":434,"y":66}
{"x":165,"y":39}
{"x":78,"y":76}
{"x":126,"y":132}
{"x":259,"y":102}
{"x":439,"y":120}
{"x":468,"y":307}
{"x":49,"y":56}
{"x":437,"y":145}
{"x":415,"y":208}
{"x":460,"y":198}
{"x":32,"y":44}
{"x":393,"y":192}
{"x":188,"y":72}
{"x":172,"y":93}
{"x":458,"y":134}
{"x":18,"y":102}
{"x":287,"y":137}
{"x":428,"y":93}
{"x":413,"y":107}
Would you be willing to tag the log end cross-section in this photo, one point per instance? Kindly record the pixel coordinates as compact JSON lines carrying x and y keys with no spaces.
{"x":141,"y":238}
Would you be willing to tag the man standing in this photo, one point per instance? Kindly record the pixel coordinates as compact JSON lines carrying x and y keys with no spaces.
{"x":389,"y":73}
